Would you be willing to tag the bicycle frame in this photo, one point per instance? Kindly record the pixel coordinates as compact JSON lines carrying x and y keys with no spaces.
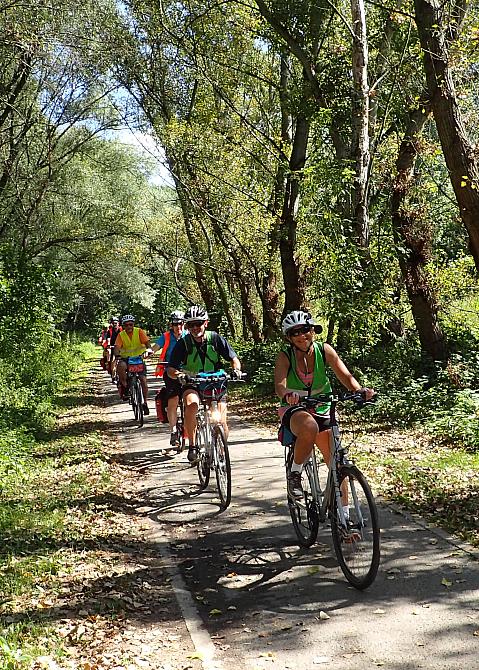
{"x":338,"y":458}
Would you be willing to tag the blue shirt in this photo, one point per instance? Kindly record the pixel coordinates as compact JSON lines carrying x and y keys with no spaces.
{"x":160,"y":341}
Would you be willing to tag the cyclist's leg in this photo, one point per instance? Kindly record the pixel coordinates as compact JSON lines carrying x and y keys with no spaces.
{"x":191,"y":403}
{"x":172,"y":411}
{"x":121,"y":369}
{"x":173,"y":390}
{"x":305,"y":429}
{"x":144,"y":386}
{"x":114,"y":362}
{"x":222,"y":407}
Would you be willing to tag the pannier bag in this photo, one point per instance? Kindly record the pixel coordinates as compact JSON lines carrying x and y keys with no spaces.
{"x":161,"y":404}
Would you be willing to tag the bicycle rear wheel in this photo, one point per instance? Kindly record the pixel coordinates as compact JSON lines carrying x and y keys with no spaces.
{"x":204,"y":462}
{"x":222,"y":466}
{"x":357,"y":546}
{"x":304,"y":513}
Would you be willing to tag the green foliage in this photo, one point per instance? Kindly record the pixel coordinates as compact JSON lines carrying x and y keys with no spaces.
{"x":258,"y":361}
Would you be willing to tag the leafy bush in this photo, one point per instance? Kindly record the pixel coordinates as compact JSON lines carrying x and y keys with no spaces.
{"x":258,"y":361}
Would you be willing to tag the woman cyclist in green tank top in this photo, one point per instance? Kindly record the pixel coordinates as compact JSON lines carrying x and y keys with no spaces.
{"x":300,"y":370}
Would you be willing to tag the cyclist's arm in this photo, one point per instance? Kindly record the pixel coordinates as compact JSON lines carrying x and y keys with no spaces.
{"x":342,"y":373}
{"x":178,"y":356}
{"x":144,"y":339}
{"x":280,"y":374}
{"x":159,"y":343}
{"x":226,"y":351}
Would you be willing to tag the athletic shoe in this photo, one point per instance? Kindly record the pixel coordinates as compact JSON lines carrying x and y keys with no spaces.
{"x":295,"y":488}
{"x":192,"y":454}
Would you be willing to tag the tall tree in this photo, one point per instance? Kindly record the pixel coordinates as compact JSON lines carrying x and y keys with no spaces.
{"x":438,"y":24}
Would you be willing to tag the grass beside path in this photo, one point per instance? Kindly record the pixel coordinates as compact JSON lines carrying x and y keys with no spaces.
{"x":437,"y":481}
{"x":77,"y":575}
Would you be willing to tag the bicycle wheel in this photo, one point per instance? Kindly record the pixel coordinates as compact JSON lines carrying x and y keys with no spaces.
{"x":304,"y":513}
{"x":133,"y":400}
{"x":137,"y":401}
{"x":140,"y":402}
{"x":203,"y":464}
{"x":222,"y":466}
{"x":357,"y":546}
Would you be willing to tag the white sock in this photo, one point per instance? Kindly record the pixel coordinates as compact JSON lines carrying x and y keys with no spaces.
{"x":346,"y":512}
{"x":297,"y":467}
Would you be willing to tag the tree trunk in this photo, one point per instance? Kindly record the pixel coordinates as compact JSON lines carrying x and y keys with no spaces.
{"x":294,"y":288}
{"x":414,"y":235}
{"x":360,"y":125}
{"x":434,"y":31}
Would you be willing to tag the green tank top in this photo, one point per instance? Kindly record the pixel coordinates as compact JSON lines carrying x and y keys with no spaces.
{"x":320,"y":382}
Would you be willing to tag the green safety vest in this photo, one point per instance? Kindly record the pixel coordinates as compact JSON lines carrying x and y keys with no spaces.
{"x":320,"y":383}
{"x":193,"y":363}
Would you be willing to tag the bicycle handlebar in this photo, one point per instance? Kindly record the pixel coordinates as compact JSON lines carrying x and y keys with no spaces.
{"x":357,"y":397}
{"x":212,"y":379}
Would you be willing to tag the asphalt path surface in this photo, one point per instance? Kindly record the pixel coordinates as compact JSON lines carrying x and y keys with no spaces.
{"x":252,"y":599}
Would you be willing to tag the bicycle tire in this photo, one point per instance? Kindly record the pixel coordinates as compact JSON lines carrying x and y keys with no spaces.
{"x":357,"y":548}
{"x":203,"y":464}
{"x":222,"y":466}
{"x":140,"y":402}
{"x":136,"y":401}
{"x":133,"y":398}
{"x":304,"y":513}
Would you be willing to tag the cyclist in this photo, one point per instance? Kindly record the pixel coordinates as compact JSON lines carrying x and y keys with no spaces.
{"x":131,"y":341}
{"x":113,"y":331}
{"x":200,"y":351}
{"x":300,"y":370}
{"x":166,"y":343}
{"x":103,"y":342}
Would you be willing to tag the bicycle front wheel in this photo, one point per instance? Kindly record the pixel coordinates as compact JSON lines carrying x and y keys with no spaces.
{"x":222,"y":466}
{"x":356,"y":545}
{"x":304,"y":512}
{"x":137,"y":401}
{"x":203,"y":463}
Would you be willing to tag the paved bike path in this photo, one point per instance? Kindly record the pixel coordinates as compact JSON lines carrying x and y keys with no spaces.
{"x":267,"y":604}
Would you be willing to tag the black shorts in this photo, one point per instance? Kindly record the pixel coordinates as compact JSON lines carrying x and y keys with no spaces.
{"x":323,"y":420}
{"x":172,"y":386}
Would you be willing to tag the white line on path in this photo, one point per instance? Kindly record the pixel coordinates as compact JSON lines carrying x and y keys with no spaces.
{"x":199,"y":635}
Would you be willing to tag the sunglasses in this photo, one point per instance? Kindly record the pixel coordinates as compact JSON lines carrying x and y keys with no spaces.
{"x":194,"y":324}
{"x":299,"y":331}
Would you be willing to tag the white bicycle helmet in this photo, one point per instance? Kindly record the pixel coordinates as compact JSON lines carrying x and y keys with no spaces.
{"x":295,"y":319}
{"x":177,"y":316}
{"x":127,"y":317}
{"x":196,"y":313}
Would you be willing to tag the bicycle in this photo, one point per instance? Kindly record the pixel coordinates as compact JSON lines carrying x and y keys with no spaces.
{"x":213,"y":452}
{"x":355,"y":539}
{"x":135,"y":367}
